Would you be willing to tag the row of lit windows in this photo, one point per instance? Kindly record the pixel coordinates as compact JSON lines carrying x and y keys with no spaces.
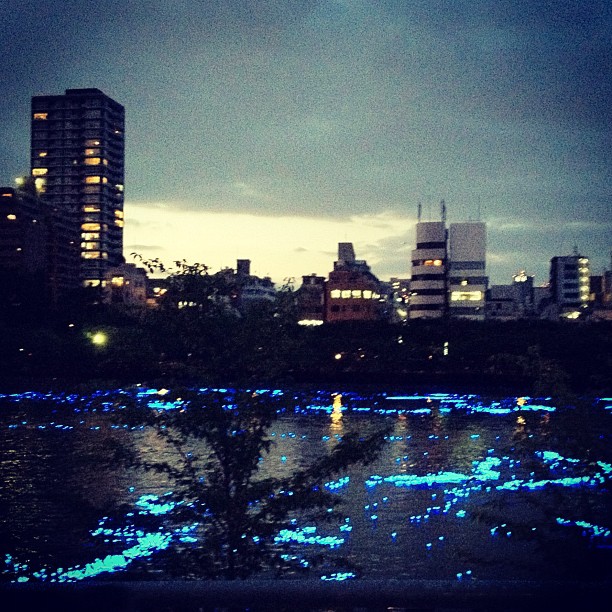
{"x":428,"y":262}
{"x":365,"y":294}
{"x":94,"y":255}
{"x":466,"y":296}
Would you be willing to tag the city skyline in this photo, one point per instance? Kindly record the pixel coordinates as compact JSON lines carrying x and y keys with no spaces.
{"x":274,"y":130}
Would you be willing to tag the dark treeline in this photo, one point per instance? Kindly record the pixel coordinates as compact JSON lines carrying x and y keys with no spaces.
{"x":214,"y":345}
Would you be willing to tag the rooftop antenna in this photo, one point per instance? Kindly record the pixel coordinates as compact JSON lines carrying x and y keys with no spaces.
{"x":443,"y":210}
{"x":420,"y":210}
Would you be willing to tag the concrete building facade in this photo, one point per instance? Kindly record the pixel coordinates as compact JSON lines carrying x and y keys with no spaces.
{"x":467,"y":280}
{"x":428,"y":284}
{"x":569,"y":285}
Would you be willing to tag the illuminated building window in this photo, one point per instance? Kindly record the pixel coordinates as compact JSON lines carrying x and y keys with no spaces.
{"x":91,"y":209}
{"x":335,"y":293}
{"x":117,"y":281}
{"x":7,"y":195}
{"x":119,"y":214}
{"x":367,"y":294}
{"x":92,"y":151}
{"x":463,"y":283}
{"x":346,"y":293}
{"x":93,"y":179}
{"x":119,"y":222}
{"x":92,"y":143}
{"x":119,"y":187}
{"x":11,"y":217}
{"x":90,"y":246}
{"x":42,"y":154}
{"x":91,"y":283}
{"x":92,"y":161}
{"x":40,"y":116}
{"x":90,"y":236}
{"x":90,"y":227}
{"x":40,"y":184}
{"x":356,"y":293}
{"x":432,"y":262}
{"x":466,"y":296}
{"x":91,"y":255}
{"x":39,"y":171}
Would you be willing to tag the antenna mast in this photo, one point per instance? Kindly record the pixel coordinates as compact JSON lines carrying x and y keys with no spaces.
{"x":443,"y":210}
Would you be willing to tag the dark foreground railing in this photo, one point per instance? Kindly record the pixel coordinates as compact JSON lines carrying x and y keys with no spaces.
{"x":260,"y":595}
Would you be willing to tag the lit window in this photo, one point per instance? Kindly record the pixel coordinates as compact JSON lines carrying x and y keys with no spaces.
{"x":90,"y":254}
{"x":119,"y":222}
{"x":93,"y":179}
{"x":90,"y":246}
{"x":356,"y":293}
{"x":11,"y":217}
{"x":119,"y":187}
{"x":40,"y":184}
{"x":119,"y":214}
{"x":90,"y":236}
{"x":91,"y":209}
{"x":92,"y":161}
{"x":90,"y":227}
{"x":466,"y":296}
{"x":463,"y":283}
{"x":40,"y":116}
{"x":7,"y":195}
{"x":39,"y":171}
{"x":367,"y":294}
{"x":117,"y":281}
{"x":92,"y":151}
{"x":91,"y":283}
{"x":42,"y":154}
{"x":92,"y":143}
{"x":335,"y":293}
{"x":346,"y":293}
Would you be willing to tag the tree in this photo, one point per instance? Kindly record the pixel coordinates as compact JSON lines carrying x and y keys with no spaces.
{"x":217,"y":441}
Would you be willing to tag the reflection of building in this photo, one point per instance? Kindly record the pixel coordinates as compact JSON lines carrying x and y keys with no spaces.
{"x":429,"y":261}
{"x":311,"y":300}
{"x":352,"y":291}
{"x":77,"y":159}
{"x":569,"y":285}
{"x":24,"y":276}
{"x":467,"y":281}
{"x":126,"y":284}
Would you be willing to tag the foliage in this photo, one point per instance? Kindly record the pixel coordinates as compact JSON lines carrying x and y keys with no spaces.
{"x":217,"y":443}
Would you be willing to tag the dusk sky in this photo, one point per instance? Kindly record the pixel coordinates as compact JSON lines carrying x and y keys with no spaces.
{"x":271,"y":130}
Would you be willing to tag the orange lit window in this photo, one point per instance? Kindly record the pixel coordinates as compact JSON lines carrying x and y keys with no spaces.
{"x":42,"y":154}
{"x":90,"y":227}
{"x":7,"y":195}
{"x":119,"y":214}
{"x":92,"y":143}
{"x":117,"y":281}
{"x":90,"y":255}
{"x":119,"y":222}
{"x":91,"y":209}
{"x":93,"y":179}
{"x":39,"y":171}
{"x":40,"y":116}
{"x":92,"y":161}
{"x":432,"y":262}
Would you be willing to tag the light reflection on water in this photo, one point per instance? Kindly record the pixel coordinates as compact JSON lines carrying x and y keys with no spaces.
{"x":463,"y":488}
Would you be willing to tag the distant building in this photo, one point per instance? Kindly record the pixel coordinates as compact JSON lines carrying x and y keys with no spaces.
{"x":252,"y":291}
{"x":24,"y":256}
{"x":428,"y":287}
{"x":516,"y":301}
{"x":77,"y":161}
{"x":311,"y":300}
{"x":126,"y":284}
{"x":352,"y":291}
{"x":467,"y":280}
{"x":569,"y":286}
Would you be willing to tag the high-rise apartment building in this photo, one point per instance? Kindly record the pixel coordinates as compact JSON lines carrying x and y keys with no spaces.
{"x":77,"y":161}
{"x":569,"y":285}
{"x":428,"y":292}
{"x":467,"y":280}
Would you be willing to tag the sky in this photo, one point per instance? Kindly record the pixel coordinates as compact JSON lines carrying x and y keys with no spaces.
{"x":272,"y":130}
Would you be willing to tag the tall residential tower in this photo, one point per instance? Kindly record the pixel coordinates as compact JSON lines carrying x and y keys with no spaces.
{"x":77,"y":160}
